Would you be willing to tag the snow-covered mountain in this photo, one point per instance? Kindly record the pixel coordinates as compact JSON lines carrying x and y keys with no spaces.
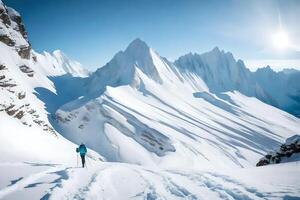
{"x":219,"y":70}
{"x":141,"y":104}
{"x":22,"y":71}
{"x":57,"y":64}
{"x":167,"y":130}
{"x":283,"y":87}
{"x":222,"y":73}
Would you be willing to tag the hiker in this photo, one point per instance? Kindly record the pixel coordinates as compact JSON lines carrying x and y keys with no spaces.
{"x":82,"y":151}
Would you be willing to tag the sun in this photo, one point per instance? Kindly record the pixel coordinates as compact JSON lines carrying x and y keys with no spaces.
{"x":281,"y":40}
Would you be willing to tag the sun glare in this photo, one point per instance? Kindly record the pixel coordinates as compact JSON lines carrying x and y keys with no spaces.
{"x":281,"y":40}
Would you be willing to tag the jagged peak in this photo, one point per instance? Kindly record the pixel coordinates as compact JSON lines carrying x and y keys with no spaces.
{"x":138,"y":43}
{"x":124,"y":67}
{"x":216,"y":50}
{"x":137,"y":47}
{"x":267,"y":68}
{"x":59,"y":53}
{"x":56,"y":53}
{"x":214,"y":55}
{"x":187,"y":56}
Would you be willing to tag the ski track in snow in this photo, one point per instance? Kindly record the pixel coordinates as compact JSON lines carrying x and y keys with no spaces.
{"x":127,"y":181}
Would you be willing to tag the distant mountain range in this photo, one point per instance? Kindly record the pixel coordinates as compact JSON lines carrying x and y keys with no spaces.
{"x":161,"y":108}
{"x":154,"y":129}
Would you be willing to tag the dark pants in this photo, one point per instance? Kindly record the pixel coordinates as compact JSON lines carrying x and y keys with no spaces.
{"x":82,"y":159}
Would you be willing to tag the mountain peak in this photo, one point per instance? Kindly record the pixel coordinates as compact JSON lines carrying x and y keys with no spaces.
{"x":137,"y":45}
{"x":216,"y":50}
{"x":62,"y":64}
{"x":59,"y":53}
{"x":267,"y":68}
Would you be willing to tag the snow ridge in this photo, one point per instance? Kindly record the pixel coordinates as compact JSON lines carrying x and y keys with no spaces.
{"x":165,"y":130}
{"x":128,"y":109}
{"x":123,"y":68}
{"x":222,"y":73}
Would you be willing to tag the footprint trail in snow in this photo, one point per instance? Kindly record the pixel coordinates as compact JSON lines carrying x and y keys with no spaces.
{"x":125,"y":181}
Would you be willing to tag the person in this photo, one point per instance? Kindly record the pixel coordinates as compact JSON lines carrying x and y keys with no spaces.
{"x":82,"y":151}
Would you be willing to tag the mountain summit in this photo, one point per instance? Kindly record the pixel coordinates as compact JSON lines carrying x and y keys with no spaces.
{"x":192,"y":129}
{"x":137,"y":45}
{"x":124,"y":67}
{"x":220,"y":71}
{"x":217,"y":71}
{"x":163,"y":110}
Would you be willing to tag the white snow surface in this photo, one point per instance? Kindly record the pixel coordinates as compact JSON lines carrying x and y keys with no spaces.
{"x":117,"y":181}
{"x":153,"y":115}
{"x":153,"y":130}
{"x":166,"y":137}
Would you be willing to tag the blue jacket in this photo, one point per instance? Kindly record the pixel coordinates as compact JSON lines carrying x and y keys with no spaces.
{"x":82,"y":150}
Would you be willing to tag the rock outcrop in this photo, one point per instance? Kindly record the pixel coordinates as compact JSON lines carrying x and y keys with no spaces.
{"x":290,"y":148}
{"x":12,"y":31}
{"x":15,"y":96}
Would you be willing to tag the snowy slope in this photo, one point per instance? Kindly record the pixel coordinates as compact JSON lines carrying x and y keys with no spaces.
{"x":22,"y":71}
{"x":117,"y":181}
{"x":23,"y":117}
{"x":152,"y":114}
{"x":169,"y":135}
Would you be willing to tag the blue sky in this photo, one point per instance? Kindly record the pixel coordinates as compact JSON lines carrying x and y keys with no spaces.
{"x":92,"y":31}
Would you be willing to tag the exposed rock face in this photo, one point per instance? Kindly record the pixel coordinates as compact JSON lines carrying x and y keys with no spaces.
{"x":6,"y":40}
{"x":27,"y":70}
{"x":21,"y":95}
{"x":4,"y":81}
{"x":12,"y":31}
{"x":289,"y":148}
{"x":20,"y":77}
{"x":24,"y":52}
{"x":2,"y":67}
{"x":3,"y":15}
{"x":14,"y":16}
